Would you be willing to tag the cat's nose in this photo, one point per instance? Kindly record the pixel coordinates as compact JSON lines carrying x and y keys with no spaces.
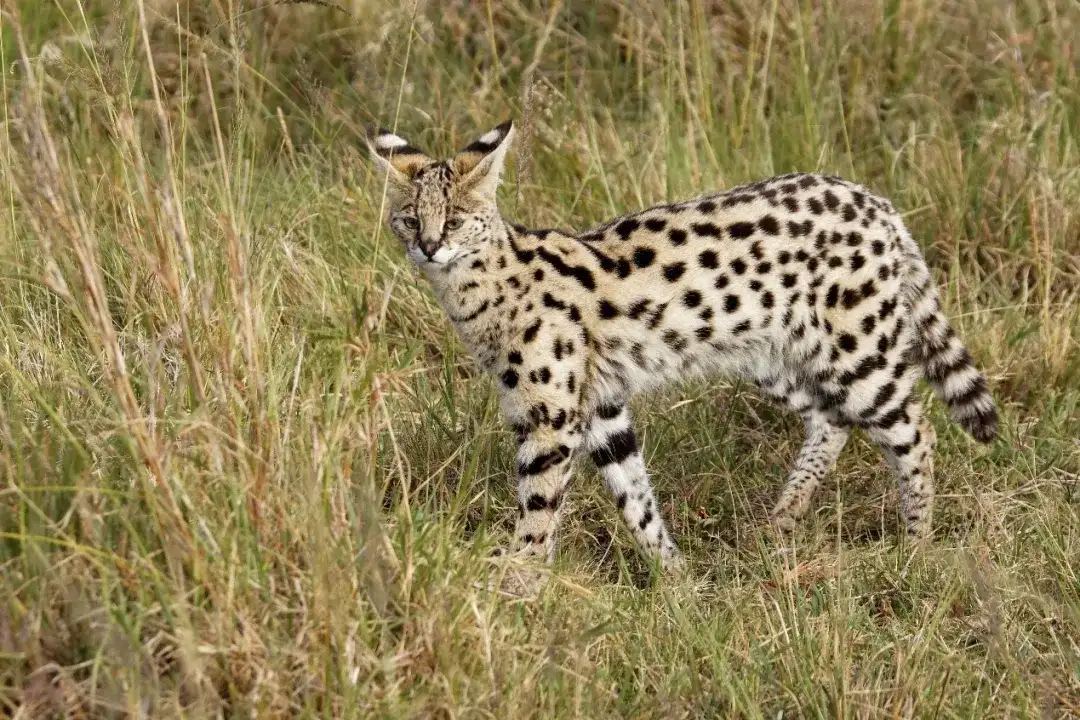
{"x":429,"y":247}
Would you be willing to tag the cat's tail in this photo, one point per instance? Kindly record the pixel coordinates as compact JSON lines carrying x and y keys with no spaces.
{"x":947,"y":365}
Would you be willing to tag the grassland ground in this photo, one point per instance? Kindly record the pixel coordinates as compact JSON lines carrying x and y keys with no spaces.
{"x":247,"y":469}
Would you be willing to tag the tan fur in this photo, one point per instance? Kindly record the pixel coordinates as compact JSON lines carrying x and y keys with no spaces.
{"x":808,"y":285}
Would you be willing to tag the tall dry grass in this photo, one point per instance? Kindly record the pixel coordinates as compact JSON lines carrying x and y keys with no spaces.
{"x":247,"y":469}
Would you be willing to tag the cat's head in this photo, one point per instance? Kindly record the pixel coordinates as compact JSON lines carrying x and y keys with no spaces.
{"x":442,"y":210}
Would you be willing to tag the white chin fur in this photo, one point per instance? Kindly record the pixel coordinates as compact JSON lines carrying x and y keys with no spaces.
{"x":441,"y":257}
{"x":444,"y":255}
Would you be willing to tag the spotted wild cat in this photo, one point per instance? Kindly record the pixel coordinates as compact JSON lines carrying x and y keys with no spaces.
{"x":808,"y":285}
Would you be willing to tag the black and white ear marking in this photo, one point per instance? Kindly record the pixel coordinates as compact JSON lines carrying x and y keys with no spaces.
{"x":481,"y":163}
{"x":491,"y":139}
{"x":395,"y":154}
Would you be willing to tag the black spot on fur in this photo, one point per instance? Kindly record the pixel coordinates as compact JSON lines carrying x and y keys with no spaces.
{"x":627,"y":227}
{"x":643,"y":257}
{"x":607,"y":264}
{"x":552,"y":302}
{"x":674,"y":340}
{"x":832,"y":295}
{"x":889,"y":419}
{"x":637,"y":308}
{"x":536,"y":503}
{"x":545,"y":461}
{"x":608,"y":309}
{"x":674,"y":271}
{"x":579,"y":272}
{"x":849,"y":298}
{"x":884,"y":395}
{"x":656,"y":316}
{"x":740,"y":230}
{"x":608,"y":412}
{"x":706,"y":229}
{"x":887,"y":309}
{"x":863,"y":370}
{"x":616,"y":448}
{"x":800,"y":229}
{"x":541,"y":376}
{"x":524,"y":256}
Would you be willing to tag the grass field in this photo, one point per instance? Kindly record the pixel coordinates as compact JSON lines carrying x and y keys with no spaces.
{"x":246,"y":469}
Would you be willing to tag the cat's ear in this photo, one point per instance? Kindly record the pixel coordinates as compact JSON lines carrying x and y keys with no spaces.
{"x":480,"y":164}
{"x":395,"y":156}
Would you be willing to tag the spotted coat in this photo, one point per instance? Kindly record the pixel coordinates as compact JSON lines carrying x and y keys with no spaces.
{"x":808,"y":285}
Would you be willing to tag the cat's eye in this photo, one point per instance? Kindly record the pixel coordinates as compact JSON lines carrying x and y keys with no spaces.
{"x":454,"y":223}
{"x":410,"y":222}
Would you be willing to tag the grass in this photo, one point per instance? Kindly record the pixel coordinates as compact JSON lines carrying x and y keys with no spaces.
{"x":246,"y":468}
